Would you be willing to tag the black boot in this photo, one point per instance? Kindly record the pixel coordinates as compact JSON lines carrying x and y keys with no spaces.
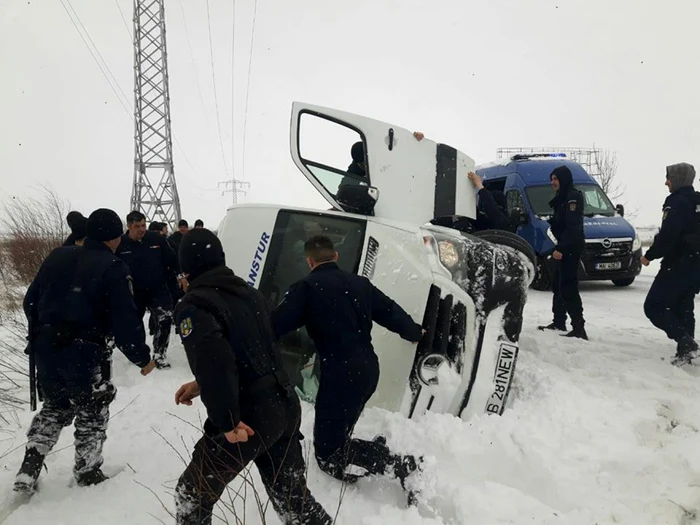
{"x":579,"y":332}
{"x":404,"y":466}
{"x":94,"y":477}
{"x":29,"y":471}
{"x":553,"y":326}
{"x":686,"y":351}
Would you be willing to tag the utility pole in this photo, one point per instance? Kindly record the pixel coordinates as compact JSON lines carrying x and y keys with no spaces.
{"x":154,"y":192}
{"x":234,"y":187}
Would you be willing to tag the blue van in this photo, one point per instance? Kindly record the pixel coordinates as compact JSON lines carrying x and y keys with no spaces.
{"x":613,"y":248}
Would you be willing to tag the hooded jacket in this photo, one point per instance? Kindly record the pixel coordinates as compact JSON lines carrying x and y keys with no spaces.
{"x":224,"y":325}
{"x":567,"y":220}
{"x":678,"y":239}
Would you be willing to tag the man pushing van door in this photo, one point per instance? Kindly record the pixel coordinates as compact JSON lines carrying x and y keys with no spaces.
{"x":338,"y":309}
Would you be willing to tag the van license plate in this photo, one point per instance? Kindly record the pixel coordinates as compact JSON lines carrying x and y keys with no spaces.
{"x":608,"y":266}
{"x":502,"y":378}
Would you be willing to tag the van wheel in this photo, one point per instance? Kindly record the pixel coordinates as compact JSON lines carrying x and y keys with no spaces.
{"x":511,"y":240}
{"x":623,"y":282}
{"x":543,"y":281}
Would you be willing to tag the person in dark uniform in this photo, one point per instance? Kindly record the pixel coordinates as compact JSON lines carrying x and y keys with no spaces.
{"x":670,"y":303}
{"x":176,"y":238}
{"x":491,"y":210}
{"x":78,"y":225}
{"x":253,"y":412}
{"x":338,"y":309}
{"x":198,"y":224}
{"x":159,"y":227}
{"x":567,"y":227}
{"x":152,"y":263}
{"x":79,"y":296}
{"x":358,"y":167}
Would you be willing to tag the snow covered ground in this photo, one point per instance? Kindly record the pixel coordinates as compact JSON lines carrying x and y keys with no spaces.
{"x":599,"y":432}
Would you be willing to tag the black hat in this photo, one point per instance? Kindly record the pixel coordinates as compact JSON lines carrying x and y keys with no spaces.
{"x":358,"y":152}
{"x":77,"y":224}
{"x":200,"y":251}
{"x":104,"y":225}
{"x":183,"y":223}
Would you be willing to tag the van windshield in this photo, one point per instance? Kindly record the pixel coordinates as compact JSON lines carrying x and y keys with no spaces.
{"x":594,"y":199}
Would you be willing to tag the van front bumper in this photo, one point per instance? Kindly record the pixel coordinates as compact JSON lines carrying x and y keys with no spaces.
{"x":605,"y":266}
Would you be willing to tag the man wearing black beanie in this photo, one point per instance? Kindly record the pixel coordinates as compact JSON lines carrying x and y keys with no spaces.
{"x":78,"y":226}
{"x":253,"y":411}
{"x":78,"y":298}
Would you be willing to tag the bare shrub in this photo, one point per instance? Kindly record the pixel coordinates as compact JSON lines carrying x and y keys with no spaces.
{"x":33,"y":226}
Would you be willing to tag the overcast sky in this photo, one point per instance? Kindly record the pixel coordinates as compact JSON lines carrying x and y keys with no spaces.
{"x":478,"y":75}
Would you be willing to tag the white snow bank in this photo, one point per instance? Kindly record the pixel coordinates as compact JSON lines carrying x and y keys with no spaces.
{"x":598,"y":432}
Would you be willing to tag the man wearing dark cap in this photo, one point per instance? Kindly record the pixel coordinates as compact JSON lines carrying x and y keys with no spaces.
{"x":198,"y":224}
{"x":79,"y":296}
{"x":338,"y":309}
{"x":253,"y":411}
{"x":78,"y":225}
{"x":670,"y":303}
{"x":566,"y":224}
{"x":176,"y":238}
{"x":153,"y":267}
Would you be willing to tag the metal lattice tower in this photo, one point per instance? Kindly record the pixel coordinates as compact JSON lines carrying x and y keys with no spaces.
{"x":154,"y":192}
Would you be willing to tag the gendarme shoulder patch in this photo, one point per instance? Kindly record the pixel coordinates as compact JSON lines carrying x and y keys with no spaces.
{"x":666,"y":210}
{"x":572,"y":205}
{"x":186,"y":327}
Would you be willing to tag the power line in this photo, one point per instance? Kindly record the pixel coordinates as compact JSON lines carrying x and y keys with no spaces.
{"x":92,"y":53}
{"x":194,"y":64}
{"x":216,"y":99}
{"x":233,"y":97}
{"x":247,"y":93}
{"x":97,"y":50}
{"x":126,"y":24}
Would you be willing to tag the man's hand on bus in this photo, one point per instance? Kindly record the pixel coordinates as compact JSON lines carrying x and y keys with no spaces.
{"x":476,"y":180}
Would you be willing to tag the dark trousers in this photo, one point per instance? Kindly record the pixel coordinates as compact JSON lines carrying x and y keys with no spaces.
{"x":276,"y":451}
{"x":670,"y":303}
{"x":567,"y":299}
{"x":160,"y":305}
{"x":75,"y":384}
{"x":344,"y":390}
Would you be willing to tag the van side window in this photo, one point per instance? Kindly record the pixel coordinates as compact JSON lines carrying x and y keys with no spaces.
{"x":333,"y":152}
{"x":286,"y":264}
{"x":514,"y":199}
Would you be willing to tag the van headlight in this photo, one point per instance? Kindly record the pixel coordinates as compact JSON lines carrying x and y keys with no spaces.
{"x":551,"y":236}
{"x":447,"y":251}
{"x":637,"y":243}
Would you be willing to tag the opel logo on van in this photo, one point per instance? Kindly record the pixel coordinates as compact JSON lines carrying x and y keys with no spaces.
{"x":607,"y":243}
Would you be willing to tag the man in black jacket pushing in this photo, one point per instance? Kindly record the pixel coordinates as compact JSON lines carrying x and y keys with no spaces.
{"x":338,"y":309}
{"x":253,"y":411}
{"x":567,"y":226}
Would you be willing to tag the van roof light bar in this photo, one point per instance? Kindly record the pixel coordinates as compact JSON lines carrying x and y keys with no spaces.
{"x":525,"y":156}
